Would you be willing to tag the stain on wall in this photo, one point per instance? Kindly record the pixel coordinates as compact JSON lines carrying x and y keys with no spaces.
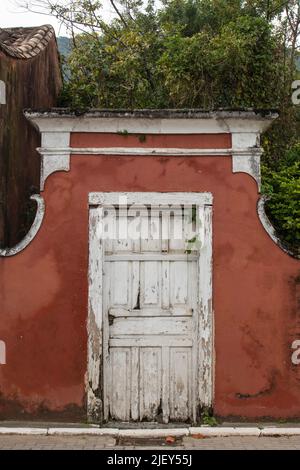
{"x":43,"y":291}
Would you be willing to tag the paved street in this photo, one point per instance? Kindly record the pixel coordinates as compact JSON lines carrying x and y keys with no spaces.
{"x":8,"y":442}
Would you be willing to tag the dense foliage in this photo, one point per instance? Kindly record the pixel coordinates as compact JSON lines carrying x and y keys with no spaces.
{"x":190,"y":53}
{"x":283,"y":189}
{"x":196,"y":54}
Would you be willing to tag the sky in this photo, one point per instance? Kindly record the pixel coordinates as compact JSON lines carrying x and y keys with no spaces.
{"x":12,"y":15}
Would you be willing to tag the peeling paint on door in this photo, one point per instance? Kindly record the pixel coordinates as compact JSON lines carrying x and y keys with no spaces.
{"x":151,"y":305}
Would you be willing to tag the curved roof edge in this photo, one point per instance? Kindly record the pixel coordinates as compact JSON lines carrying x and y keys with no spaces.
{"x":25,"y":43}
{"x":246,"y":113}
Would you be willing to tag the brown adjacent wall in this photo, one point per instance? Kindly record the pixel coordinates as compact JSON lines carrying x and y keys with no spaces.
{"x":43,"y":291}
{"x":30,"y":83}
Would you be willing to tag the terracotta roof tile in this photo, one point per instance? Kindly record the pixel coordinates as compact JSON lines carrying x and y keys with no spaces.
{"x":25,"y":43}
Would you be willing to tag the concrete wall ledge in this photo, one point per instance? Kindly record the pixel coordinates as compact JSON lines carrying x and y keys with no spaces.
{"x":204,"y":431}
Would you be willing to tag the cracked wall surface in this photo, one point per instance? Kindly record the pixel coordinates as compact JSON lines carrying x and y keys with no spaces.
{"x":44,"y":293}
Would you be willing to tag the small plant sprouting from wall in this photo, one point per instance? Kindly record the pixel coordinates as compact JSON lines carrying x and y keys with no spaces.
{"x":208,"y":419}
{"x":123,"y":132}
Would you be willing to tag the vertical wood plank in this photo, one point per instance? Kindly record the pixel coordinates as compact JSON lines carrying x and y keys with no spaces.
{"x":150,"y":283}
{"x":180,"y":393}
{"x":179,"y":287}
{"x":121,"y":277}
{"x":206,"y":353}
{"x":177,"y":241}
{"x":135,"y":285}
{"x":165,"y":231}
{"x":135,"y":367}
{"x":193,"y":300}
{"x":95,"y":314}
{"x":165,"y":284}
{"x":107,"y":301}
{"x":120,"y":359}
{"x":110,"y":230}
{"x":150,"y":382}
{"x":166,"y":384}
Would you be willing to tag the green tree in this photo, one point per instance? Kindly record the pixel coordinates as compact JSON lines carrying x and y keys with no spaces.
{"x":283,"y":190}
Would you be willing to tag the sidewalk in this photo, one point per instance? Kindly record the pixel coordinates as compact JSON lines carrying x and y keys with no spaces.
{"x":33,"y":442}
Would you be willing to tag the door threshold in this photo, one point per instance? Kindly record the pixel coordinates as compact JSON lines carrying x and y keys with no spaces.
{"x":144,"y":425}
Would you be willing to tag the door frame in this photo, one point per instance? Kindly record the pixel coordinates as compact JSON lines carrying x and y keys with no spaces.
{"x":94,"y":376}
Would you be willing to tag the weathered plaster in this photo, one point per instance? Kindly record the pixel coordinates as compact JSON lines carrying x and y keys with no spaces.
{"x":52,"y":163}
{"x":244,"y":126}
{"x":245,"y":160}
{"x":146,"y":198}
{"x":139,"y":151}
{"x":250,"y":293}
{"x":248,"y":162}
{"x":55,"y":154}
{"x":246,"y":152}
{"x":152,"y":121}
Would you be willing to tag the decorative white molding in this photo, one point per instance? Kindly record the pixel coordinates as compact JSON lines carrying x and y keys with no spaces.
{"x":55,"y":154}
{"x":267,"y":225}
{"x":248,"y":162}
{"x":56,"y":140}
{"x":32,"y":232}
{"x":52,"y":163}
{"x":140,"y":151}
{"x":137,"y":151}
{"x":243,"y":140}
{"x":245,"y":128}
{"x":147,"y":198}
{"x":153,"y":121}
{"x":246,"y":153}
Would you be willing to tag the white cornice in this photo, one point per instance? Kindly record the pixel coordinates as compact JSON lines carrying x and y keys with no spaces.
{"x":245,"y":128}
{"x":193,"y":123}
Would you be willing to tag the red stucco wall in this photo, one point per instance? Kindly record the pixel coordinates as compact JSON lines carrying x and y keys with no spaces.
{"x":43,"y":290}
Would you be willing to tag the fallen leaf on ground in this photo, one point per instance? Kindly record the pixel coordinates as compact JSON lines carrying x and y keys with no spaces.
{"x":198,"y":436}
{"x":170,"y":439}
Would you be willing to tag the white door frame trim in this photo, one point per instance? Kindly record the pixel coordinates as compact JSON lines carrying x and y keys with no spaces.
{"x":97,"y":202}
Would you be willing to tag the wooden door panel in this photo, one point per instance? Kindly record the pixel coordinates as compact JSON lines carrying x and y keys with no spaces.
{"x":150,"y":373}
{"x":180,"y":383}
{"x":163,"y":326}
{"x":151,"y":307}
{"x":120,"y":380}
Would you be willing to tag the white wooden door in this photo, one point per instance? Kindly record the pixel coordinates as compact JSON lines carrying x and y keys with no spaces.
{"x":150,"y":316}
